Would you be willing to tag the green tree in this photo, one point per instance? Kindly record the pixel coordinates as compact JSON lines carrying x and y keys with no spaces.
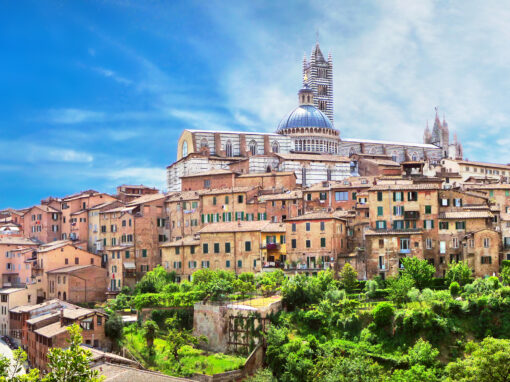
{"x":154,"y":281}
{"x":177,"y":338}
{"x":419,"y":270}
{"x":150,"y":329}
{"x":71,"y":364}
{"x":399,"y":288}
{"x":356,"y":368}
{"x":423,"y":353}
{"x":488,"y":361}
{"x":348,"y":277}
{"x":383,"y":314}
{"x":458,"y":272}
{"x":113,"y":327}
{"x":454,"y":289}
{"x":505,"y":272}
{"x":416,"y":373}
{"x":14,"y":372}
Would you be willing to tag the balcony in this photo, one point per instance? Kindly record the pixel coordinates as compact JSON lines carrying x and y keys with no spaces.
{"x":411,"y":215}
{"x":271,"y":246}
{"x":404,"y":251}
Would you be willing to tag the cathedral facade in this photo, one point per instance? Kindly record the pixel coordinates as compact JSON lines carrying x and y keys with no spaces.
{"x":305,"y":141}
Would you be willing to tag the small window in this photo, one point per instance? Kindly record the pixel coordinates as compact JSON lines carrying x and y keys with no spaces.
{"x":216,"y":247}
{"x":227,"y":247}
{"x":205,"y":248}
{"x":323,"y":242}
{"x":308,"y":243}
{"x":247,"y":246}
{"x":307,"y":226}
{"x":323,"y":226}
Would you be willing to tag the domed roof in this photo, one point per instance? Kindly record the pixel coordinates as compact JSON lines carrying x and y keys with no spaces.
{"x":305,"y":116}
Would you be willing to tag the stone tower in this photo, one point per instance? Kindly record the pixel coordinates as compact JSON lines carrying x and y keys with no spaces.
{"x":319,"y":73}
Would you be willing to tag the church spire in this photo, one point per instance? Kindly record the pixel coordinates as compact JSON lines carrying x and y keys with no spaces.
{"x":426,"y":135}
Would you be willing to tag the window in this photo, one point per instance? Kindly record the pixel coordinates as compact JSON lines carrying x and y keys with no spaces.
{"x":127,"y":254}
{"x":443,"y":225}
{"x":460,"y":226}
{"x":227,"y":247}
{"x":445,"y":202}
{"x":240,"y":198}
{"x":323,"y":226}
{"x":253,"y":147}
{"x":428,"y":243}
{"x":216,"y":247}
{"x":205,"y":248}
{"x":341,"y":196}
{"x":275,"y":147}
{"x":214,"y":200}
{"x":308,"y":243}
{"x":486,"y":242}
{"x":293,"y":243}
{"x":247,"y":246}
{"x":412,"y":196}
{"x":398,"y":210}
{"x":457,"y":202}
{"x":398,"y":224}
{"x":228,"y":148}
{"x":380,"y":211}
{"x":205,"y":264}
{"x":428,"y":210}
{"x":323,"y":196}
{"x":354,"y":196}
{"x":293,"y":227}
{"x":379,"y":196}
{"x":307,"y":226}
{"x":144,"y":253}
{"x":207,"y":183}
{"x":455,"y":242}
{"x":323,"y":242}
{"x":76,"y":260}
{"x":227,"y":264}
{"x":308,"y":197}
{"x":184,"y":148}
{"x":428,"y":224}
{"x":380,"y":224}
{"x":239,"y":263}
{"x":442,"y":247}
{"x":486,"y":260}
{"x":398,"y":196}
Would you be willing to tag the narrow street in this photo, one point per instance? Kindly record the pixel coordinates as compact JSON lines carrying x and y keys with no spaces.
{"x":6,"y":351}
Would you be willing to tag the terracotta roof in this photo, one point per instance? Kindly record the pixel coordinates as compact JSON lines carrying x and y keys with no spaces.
{"x":210,"y":172}
{"x":145,"y":199}
{"x":51,"y":330}
{"x":385,"y":232}
{"x":314,"y":157}
{"x":43,"y":317}
{"x":55,"y":302}
{"x":245,"y":226}
{"x":182,"y":195}
{"x":16,"y":240}
{"x":383,"y":162}
{"x":267,"y":174}
{"x":11,"y":290}
{"x":118,"y":248}
{"x":296,"y":194}
{"x":465,"y":215}
{"x":227,"y":190}
{"x":318,"y":216}
{"x":74,"y":314}
{"x":405,"y":187}
{"x":44,"y":208}
{"x":54,"y":245}
{"x":187,"y":240}
{"x":485,"y":164}
{"x":83,"y":194}
{"x":120,"y":373}
{"x":496,"y":186}
{"x":274,"y":227}
{"x":72,"y":268}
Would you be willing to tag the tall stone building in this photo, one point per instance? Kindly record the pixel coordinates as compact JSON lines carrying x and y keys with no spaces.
{"x":318,"y":73}
{"x":440,"y":137}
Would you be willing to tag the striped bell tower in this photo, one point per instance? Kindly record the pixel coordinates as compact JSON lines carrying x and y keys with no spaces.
{"x":319,"y":72}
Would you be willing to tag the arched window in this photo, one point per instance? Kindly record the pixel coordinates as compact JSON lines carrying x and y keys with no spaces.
{"x":275,"y":147}
{"x":394,"y":156}
{"x":184,"y":148}
{"x":228,"y":149}
{"x":253,"y":147}
{"x":203,"y":143}
{"x":64,"y":296}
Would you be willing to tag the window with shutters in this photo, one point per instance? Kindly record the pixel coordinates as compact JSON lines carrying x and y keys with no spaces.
{"x":227,"y":247}
{"x":247,"y":246}
{"x":323,"y":242}
{"x":205,"y":248}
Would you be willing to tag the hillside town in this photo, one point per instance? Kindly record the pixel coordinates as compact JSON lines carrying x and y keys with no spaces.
{"x":300,"y":201}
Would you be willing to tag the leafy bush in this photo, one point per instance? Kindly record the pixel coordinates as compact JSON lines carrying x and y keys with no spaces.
{"x":348,"y":277}
{"x":383,"y":314}
{"x":370,"y":288}
{"x":399,"y":287}
{"x":454,"y":289}
{"x":459,"y":272}
{"x":419,"y":270}
{"x":422,"y":353}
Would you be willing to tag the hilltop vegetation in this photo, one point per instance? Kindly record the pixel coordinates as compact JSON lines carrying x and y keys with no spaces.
{"x":409,"y":328}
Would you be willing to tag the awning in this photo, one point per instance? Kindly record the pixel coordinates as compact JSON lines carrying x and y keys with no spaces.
{"x":129,"y":266}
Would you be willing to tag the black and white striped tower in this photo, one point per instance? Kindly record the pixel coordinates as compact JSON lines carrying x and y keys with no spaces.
{"x":320,"y":78}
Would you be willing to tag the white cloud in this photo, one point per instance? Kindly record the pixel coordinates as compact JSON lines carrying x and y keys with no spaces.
{"x":113,"y":75}
{"x":73,"y":116}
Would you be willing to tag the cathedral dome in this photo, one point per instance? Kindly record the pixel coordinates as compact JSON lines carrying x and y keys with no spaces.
{"x":304,"y":116}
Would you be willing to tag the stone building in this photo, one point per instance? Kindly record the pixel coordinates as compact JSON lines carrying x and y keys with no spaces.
{"x":315,"y":240}
{"x":77,"y":283}
{"x":306,"y":141}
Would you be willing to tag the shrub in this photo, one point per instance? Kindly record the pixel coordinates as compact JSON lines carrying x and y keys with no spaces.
{"x":419,"y":270}
{"x":459,"y":272}
{"x":422,"y":353}
{"x":348,"y":277}
{"x":454,"y":289}
{"x":383,"y":314}
{"x":370,"y":288}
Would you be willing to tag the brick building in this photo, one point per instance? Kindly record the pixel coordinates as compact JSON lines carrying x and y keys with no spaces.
{"x":77,"y":283}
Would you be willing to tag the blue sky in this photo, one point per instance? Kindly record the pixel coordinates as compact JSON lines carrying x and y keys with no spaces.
{"x":96,"y":93}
